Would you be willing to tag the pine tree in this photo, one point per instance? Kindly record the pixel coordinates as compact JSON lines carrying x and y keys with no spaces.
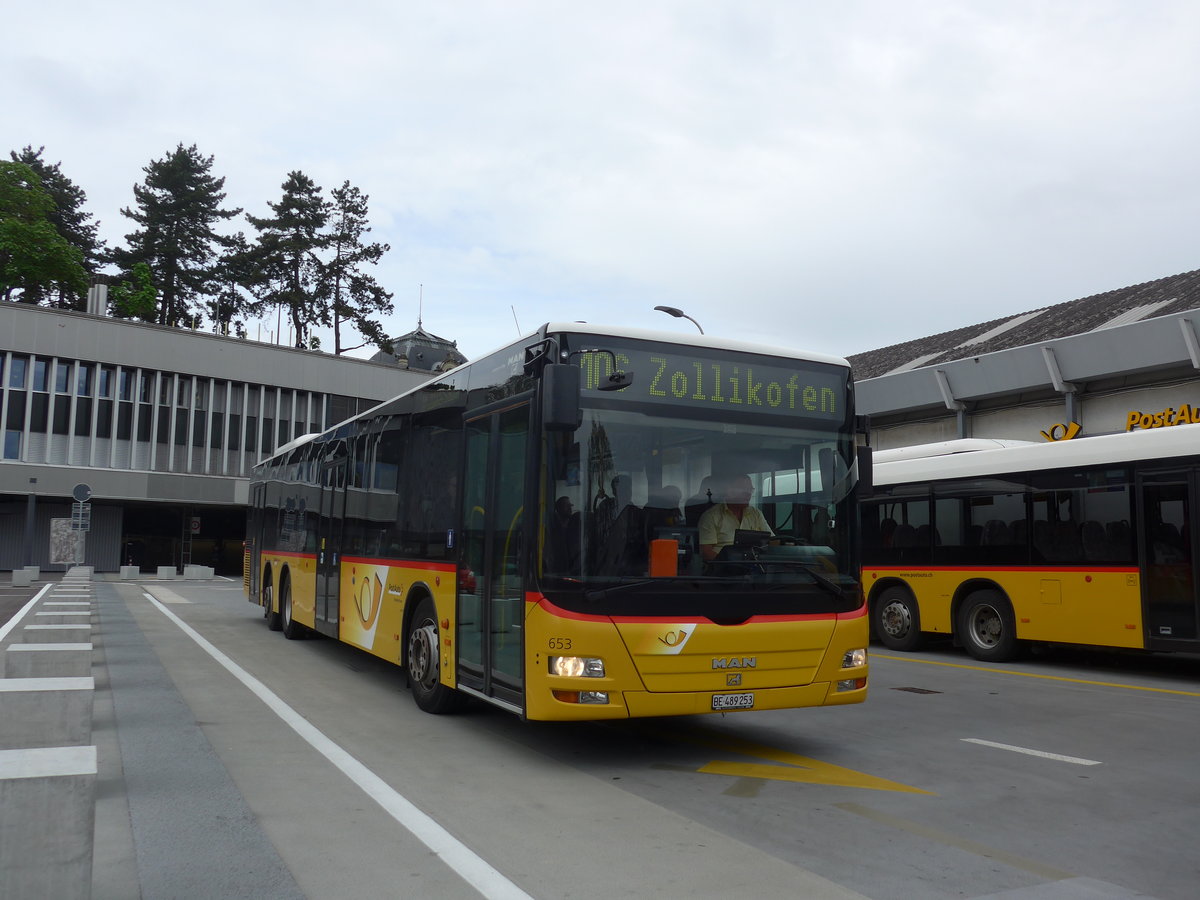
{"x":34,"y":258}
{"x":352,"y":294}
{"x":236,"y":278}
{"x":69,"y":219}
{"x":288,"y":255}
{"x":177,"y":207}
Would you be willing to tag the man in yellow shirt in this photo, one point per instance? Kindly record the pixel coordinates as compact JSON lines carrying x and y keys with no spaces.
{"x":719,"y":522}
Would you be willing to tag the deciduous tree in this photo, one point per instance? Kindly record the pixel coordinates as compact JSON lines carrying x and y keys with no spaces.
{"x":72,"y":223}
{"x":34,"y":258}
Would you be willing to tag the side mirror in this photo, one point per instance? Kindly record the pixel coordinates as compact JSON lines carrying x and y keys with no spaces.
{"x":560,"y":397}
{"x":866,"y":478}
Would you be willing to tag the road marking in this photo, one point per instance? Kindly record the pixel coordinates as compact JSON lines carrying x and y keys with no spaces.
{"x":786,"y":766}
{"x":1112,"y":684}
{"x":12,"y":623}
{"x":1079,"y":761}
{"x":471,"y":867}
{"x":954,"y":840}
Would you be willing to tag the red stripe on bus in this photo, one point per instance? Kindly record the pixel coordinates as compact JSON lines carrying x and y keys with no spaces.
{"x":540,"y":600}
{"x":399,"y":563}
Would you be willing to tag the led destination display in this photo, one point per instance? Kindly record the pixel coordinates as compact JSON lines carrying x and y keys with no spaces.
{"x":734,"y":382}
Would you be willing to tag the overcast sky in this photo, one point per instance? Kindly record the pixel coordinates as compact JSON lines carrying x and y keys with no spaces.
{"x":830,"y":176}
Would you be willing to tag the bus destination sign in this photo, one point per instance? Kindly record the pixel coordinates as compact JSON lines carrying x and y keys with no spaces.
{"x":734,"y":382}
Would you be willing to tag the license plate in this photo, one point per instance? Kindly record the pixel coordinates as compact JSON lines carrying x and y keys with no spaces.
{"x":733,"y":701}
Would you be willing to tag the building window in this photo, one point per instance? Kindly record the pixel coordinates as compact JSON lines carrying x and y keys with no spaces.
{"x":83,"y":381}
{"x":62,"y":379}
{"x":16,"y":374}
{"x":41,"y":368}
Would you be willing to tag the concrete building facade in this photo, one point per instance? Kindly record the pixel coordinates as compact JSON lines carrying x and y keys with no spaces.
{"x":162,"y":424}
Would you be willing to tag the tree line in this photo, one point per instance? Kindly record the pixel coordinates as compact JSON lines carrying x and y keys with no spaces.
{"x":310,"y":257}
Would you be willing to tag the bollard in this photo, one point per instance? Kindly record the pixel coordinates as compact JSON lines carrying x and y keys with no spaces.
{"x":62,"y":660}
{"x":130,"y":572}
{"x":21,"y":578}
{"x":43,"y":712}
{"x":47,"y":822}
{"x":166,"y":573}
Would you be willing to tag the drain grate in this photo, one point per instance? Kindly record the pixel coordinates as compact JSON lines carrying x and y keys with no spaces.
{"x":916,"y":690}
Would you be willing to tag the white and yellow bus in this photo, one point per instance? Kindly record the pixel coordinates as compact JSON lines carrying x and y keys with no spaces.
{"x":519,"y":530}
{"x":999,"y":543}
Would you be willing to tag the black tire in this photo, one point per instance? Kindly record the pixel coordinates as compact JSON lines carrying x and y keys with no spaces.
{"x":422,"y":662}
{"x":292,"y":630}
{"x":987,"y":628}
{"x":897,"y":619}
{"x":274,"y":620}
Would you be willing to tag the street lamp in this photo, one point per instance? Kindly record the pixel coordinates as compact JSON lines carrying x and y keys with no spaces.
{"x":679,"y":314}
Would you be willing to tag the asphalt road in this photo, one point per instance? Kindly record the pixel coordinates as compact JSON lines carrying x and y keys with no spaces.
{"x":236,"y":763}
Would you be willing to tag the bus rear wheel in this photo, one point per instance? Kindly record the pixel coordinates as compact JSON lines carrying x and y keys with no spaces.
{"x":292,"y":630}
{"x":423,"y":662}
{"x":897,"y":619}
{"x":987,"y":627}
{"x":274,"y":621}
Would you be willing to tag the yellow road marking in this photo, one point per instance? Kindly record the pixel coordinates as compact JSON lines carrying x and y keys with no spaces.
{"x":956,"y":840}
{"x":1112,"y":684}
{"x":813,"y":772}
{"x":787,"y":766}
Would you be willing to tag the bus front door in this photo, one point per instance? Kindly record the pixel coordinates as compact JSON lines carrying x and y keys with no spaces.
{"x":491,"y":586}
{"x":1167,"y":551}
{"x":329,"y":545}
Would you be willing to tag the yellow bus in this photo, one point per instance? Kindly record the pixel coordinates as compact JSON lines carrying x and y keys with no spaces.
{"x":522,"y":529}
{"x":1000,"y":543}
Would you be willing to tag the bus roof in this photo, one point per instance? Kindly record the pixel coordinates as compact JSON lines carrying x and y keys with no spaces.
{"x":945,"y":448}
{"x":1024,"y":456}
{"x":690,"y":340}
{"x":584,"y":328}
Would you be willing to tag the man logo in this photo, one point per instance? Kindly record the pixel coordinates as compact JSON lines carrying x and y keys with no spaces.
{"x":733,"y":679}
{"x":1062,"y":432}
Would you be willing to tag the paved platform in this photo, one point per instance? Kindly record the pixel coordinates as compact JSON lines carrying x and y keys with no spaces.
{"x":163,"y":818}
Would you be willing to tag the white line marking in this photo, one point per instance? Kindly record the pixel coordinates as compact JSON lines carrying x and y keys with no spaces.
{"x":12,"y":623}
{"x":1042,"y":753}
{"x":473,"y":868}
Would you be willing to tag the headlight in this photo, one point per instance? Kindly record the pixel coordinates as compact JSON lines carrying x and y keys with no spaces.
{"x":853,"y":659}
{"x":577,"y":666}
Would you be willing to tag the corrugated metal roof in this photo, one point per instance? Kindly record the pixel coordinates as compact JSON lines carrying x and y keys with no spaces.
{"x":1173,"y":294}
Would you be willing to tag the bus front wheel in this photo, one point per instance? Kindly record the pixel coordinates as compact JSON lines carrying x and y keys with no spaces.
{"x":987,"y":628}
{"x":898,"y":619}
{"x":423,"y":662}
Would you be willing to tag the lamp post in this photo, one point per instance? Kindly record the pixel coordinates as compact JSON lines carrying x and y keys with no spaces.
{"x":679,"y":314}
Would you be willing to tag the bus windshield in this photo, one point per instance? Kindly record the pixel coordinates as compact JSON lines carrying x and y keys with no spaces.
{"x":631,"y":497}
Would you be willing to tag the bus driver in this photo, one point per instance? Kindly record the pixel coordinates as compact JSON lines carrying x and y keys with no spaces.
{"x":719,"y":522}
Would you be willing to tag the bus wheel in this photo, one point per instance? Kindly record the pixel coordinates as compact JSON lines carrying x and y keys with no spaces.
{"x":292,"y":630}
{"x":424,"y":662}
{"x":986,"y":627}
{"x":274,"y":621}
{"x":897,"y":619}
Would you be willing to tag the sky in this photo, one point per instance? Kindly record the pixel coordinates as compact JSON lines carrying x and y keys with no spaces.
{"x":836,"y":177}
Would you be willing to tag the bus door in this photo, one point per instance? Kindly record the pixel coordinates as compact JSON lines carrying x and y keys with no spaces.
{"x":491,"y":582}
{"x":329,"y":545}
{"x":1167,"y":551}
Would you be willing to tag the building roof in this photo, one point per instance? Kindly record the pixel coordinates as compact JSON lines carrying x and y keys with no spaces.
{"x":1163,"y":296}
{"x":423,"y":351}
